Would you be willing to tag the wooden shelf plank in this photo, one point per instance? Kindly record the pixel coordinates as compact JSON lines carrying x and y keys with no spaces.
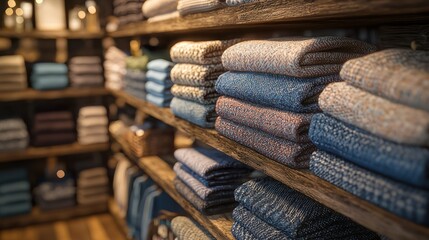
{"x":279,"y":12}
{"x":37,"y":216}
{"x":32,"y":94}
{"x":51,"y":34}
{"x":43,"y":152}
{"x":359,"y":210}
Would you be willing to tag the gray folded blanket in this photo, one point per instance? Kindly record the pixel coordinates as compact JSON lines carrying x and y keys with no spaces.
{"x":196,"y":75}
{"x":203,"y":95}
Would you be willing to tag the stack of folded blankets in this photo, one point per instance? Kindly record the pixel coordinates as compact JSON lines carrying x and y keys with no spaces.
{"x":128,"y":11}
{"x":49,"y":76}
{"x":13,"y":76}
{"x":13,"y":134}
{"x":207,"y":178}
{"x":186,"y":7}
{"x":158,"y":83}
{"x":194,"y":76}
{"x":86,"y":71}
{"x":373,"y":135}
{"x":92,"y":125}
{"x":135,"y":77}
{"x":185,"y":228}
{"x":56,"y":194}
{"x":92,"y":186}
{"x":156,"y":10}
{"x":114,"y":68}
{"x":15,"y":195}
{"x":272,"y":89}
{"x":53,"y":128}
{"x":270,"y":210}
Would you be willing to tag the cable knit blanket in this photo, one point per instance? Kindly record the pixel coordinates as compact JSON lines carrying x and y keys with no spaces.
{"x":276,"y":91}
{"x":186,"y":7}
{"x":203,"y":95}
{"x":158,"y":101}
{"x":201,"y":115}
{"x":379,"y":116}
{"x":287,"y":125}
{"x":186,"y":228}
{"x":160,"y":65}
{"x":298,"y":57}
{"x":400,"y":75}
{"x":237,"y":2}
{"x":401,"y":162}
{"x":400,"y":199}
{"x":196,"y":75}
{"x":152,"y":8}
{"x":286,"y":152}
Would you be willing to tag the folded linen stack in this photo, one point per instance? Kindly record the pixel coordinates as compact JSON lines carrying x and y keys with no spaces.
{"x":270,"y":210}
{"x":93,"y":186}
{"x":13,"y":76}
{"x":272,"y":90}
{"x":194,"y":76}
{"x":15,"y":195}
{"x":53,"y":128}
{"x":49,"y":76}
{"x":92,"y":125}
{"x":13,"y":134}
{"x":156,"y":10}
{"x":374,"y":132}
{"x":185,"y":228}
{"x":114,"y":68}
{"x":128,"y":11}
{"x":86,"y":72}
{"x":186,"y":7}
{"x":135,"y":77}
{"x":158,"y":83}
{"x":56,"y":194}
{"x":207,"y":178}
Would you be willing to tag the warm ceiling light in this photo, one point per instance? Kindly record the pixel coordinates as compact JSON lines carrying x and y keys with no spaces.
{"x":39,"y":1}
{"x":11,"y":3}
{"x":19,"y":12}
{"x":81,"y":14}
{"x":9,"y":11}
{"x":61,"y":174}
{"x":19,"y":20}
{"x":92,"y":9}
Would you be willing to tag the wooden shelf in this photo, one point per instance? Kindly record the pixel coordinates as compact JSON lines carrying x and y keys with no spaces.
{"x":51,"y":34}
{"x":268,"y":12}
{"x":43,"y":152}
{"x":37,"y":216}
{"x":31,"y":94}
{"x":361,"y":211}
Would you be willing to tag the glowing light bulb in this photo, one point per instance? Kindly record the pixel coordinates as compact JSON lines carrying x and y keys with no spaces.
{"x":61,"y":174}
{"x":81,"y":14}
{"x":9,"y":11}
{"x":92,"y":9}
{"x":11,"y":3}
{"x":39,"y":1}
{"x":19,"y":11}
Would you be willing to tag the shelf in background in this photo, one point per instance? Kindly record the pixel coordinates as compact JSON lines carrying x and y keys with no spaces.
{"x":359,"y":210}
{"x":264,"y":13}
{"x":38,"y":216}
{"x":51,"y":34}
{"x":43,"y":152}
{"x":31,"y":94}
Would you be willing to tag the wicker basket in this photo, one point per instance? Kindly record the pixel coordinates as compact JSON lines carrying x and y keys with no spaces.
{"x":151,"y":142}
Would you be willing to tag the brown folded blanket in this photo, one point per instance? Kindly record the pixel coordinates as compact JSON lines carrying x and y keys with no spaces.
{"x":53,"y":116}
{"x":53,"y":126}
{"x":51,"y":139}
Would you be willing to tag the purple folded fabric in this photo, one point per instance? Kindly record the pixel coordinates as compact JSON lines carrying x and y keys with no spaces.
{"x":51,"y":139}
{"x":53,"y":126}
{"x":53,"y":116}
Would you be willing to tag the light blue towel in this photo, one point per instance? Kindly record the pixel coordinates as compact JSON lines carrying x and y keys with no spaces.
{"x":159,"y":77}
{"x":11,"y":198}
{"x":201,"y":115}
{"x":13,"y":187}
{"x":49,"y":82}
{"x":49,"y":69}
{"x":160,"y":65}
{"x":135,"y":75}
{"x":158,"y":101}
{"x":158,"y":90}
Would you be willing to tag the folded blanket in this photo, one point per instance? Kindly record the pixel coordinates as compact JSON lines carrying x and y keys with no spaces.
{"x":399,"y":75}
{"x":93,"y":172}
{"x":152,"y":8}
{"x":207,"y":52}
{"x":10,"y":135}
{"x":164,"y":17}
{"x":158,"y":101}
{"x":203,"y":95}
{"x":92,"y":121}
{"x":92,"y":111}
{"x":229,"y":177}
{"x":50,"y":139}
{"x":86,"y":81}
{"x":85,"y":60}
{"x":15,"y":209}
{"x":201,"y":115}
{"x":15,"y":86}
{"x":376,"y":115}
{"x":155,"y":88}
{"x":92,"y":130}
{"x":21,"y":185}
{"x":159,"y":78}
{"x":241,"y":233}
{"x":401,"y":199}
{"x":13,"y":64}
{"x":196,"y":75}
{"x":237,"y":2}
{"x":298,"y":57}
{"x":295,"y":214}
{"x":276,"y":91}
{"x":400,"y":162}
{"x":100,"y":199}
{"x":136,"y":75}
{"x":283,"y":151}
{"x":185,"y":228}
{"x":14,"y":145}
{"x":288,"y":125}
{"x":53,"y":126}
{"x":136,"y":93}
{"x":135,"y":85}
{"x":160,"y":65}
{"x":85,"y":69}
{"x":10,"y":124}
{"x":17,"y":78}
{"x":53,"y":116}
{"x":12,"y":175}
{"x":15,"y":198}
{"x":49,"y":69}
{"x":49,"y":82}
{"x":92,"y":139}
{"x":186,"y":7}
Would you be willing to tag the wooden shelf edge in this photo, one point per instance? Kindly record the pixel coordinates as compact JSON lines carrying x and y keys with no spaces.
{"x":52,"y":34}
{"x":31,"y":94}
{"x":359,"y":210}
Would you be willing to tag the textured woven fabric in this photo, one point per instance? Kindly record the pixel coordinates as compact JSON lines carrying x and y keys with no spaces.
{"x":15,"y":197}
{"x":283,"y":151}
{"x":49,"y":69}
{"x":158,"y":101}
{"x":49,"y":82}
{"x":296,"y":215}
{"x":276,"y":91}
{"x":15,"y":209}
{"x":12,"y":124}
{"x":12,"y":86}
{"x":160,"y":65}
{"x":12,"y":64}
{"x":400,"y":75}
{"x":85,"y":60}
{"x":155,"y":89}
{"x":93,"y":121}
{"x":184,"y":228}
{"x":99,"y":138}
{"x":159,"y":77}
{"x":13,"y":145}
{"x":287,"y":125}
{"x":237,"y":2}
{"x":207,"y":52}
{"x":22,"y":185}
{"x":401,"y":162}
{"x":53,"y":126}
{"x":53,"y":116}
{"x":51,"y":139}
{"x":164,"y":17}
{"x":86,"y":81}
{"x":201,"y":115}
{"x":400,"y":199}
{"x":85,"y":69}
{"x":92,"y":111}
{"x":203,"y":95}
{"x":186,"y":7}
{"x":376,"y":115}
{"x":152,"y":8}
{"x":298,"y":57}
{"x":196,"y":75}
{"x":135,"y":75}
{"x":241,"y":233}
{"x":229,"y":177}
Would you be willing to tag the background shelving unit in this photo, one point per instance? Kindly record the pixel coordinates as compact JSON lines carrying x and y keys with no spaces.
{"x":51,"y":34}
{"x":32,"y":94}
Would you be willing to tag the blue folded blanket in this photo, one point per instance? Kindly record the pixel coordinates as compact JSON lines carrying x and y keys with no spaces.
{"x":15,"y":209}
{"x":13,"y":187}
{"x":12,"y":175}
{"x":400,"y":199}
{"x":404,"y":163}
{"x":277,"y":91}
{"x":159,"y":77}
{"x":49,"y":82}
{"x":158,"y":101}
{"x":15,"y":197}
{"x":49,"y":69}
{"x":158,"y":90}
{"x":241,"y":233}
{"x":135,"y":75}
{"x":160,"y":65}
{"x":201,"y":115}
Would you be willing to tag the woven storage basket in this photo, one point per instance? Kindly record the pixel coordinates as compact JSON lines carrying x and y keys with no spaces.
{"x":151,"y":142}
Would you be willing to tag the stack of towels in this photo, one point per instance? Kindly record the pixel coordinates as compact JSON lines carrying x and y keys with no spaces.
{"x":92,"y":125}
{"x":15,"y":195}
{"x":53,"y":128}
{"x":194,"y":76}
{"x":92,"y":186}
{"x":158,"y":83}
{"x":49,"y":76}
{"x":86,"y":72}
{"x":114,"y":68}
{"x":156,"y":10}
{"x":13,"y":76}
{"x":207,"y":178}
{"x":13,"y":134}
{"x":270,"y":210}
{"x":135,"y":77}
{"x":272,"y":89}
{"x":56,"y":194}
{"x":186,"y":7}
{"x":185,"y":228}
{"x":128,"y":11}
{"x":373,"y":135}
